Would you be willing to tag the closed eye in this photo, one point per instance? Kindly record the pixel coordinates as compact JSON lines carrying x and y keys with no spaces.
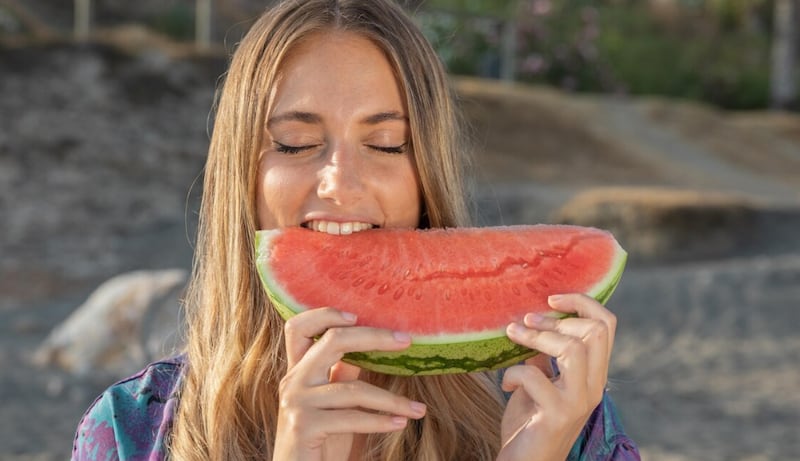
{"x":287,"y":149}
{"x":401,"y":149}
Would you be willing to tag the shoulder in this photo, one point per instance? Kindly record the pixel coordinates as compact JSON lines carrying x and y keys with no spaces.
{"x":132,"y":418}
{"x":603,"y":438}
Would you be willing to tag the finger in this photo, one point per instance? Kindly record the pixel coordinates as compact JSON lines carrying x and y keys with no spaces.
{"x":585,"y":307}
{"x":357,"y":422}
{"x":358,"y":394}
{"x":342,"y":372}
{"x":543,"y":362}
{"x":535,"y":383}
{"x":594,"y":335}
{"x":569,"y":352}
{"x":300,"y":330}
{"x":336,"y":342}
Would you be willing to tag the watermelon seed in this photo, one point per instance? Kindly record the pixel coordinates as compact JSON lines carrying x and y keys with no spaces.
{"x":398,"y":293}
{"x":542,"y":283}
{"x":369,"y":285}
{"x":410,"y":291}
{"x":531,"y":287}
{"x":383,"y":288}
{"x":447,"y":294}
{"x":418,"y":296}
{"x":407,"y":274}
{"x":524,"y":265}
{"x":358,"y":281}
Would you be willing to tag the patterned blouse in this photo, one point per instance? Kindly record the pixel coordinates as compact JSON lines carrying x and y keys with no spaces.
{"x":132,"y":419}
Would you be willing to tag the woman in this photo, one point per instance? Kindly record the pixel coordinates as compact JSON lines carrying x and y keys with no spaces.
{"x":336,"y":116}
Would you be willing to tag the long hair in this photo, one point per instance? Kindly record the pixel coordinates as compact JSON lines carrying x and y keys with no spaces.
{"x":235,"y":346}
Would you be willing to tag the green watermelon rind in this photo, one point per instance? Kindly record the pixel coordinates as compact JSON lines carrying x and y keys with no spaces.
{"x":427,"y":355}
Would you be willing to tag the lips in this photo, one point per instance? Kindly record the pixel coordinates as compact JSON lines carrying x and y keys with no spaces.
{"x":337,"y":228}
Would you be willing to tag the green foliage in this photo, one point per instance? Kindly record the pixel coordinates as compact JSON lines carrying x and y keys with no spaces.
{"x":498,"y":8}
{"x":176,"y":22}
{"x":696,"y":59}
{"x":715,"y":51}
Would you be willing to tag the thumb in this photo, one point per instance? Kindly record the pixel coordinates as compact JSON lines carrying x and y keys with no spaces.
{"x":341,"y":372}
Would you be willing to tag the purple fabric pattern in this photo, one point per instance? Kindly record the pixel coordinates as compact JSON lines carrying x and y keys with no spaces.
{"x":603,"y":438}
{"x":133,"y":418}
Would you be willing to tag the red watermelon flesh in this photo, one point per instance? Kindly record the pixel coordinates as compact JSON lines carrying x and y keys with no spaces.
{"x":443,"y":286}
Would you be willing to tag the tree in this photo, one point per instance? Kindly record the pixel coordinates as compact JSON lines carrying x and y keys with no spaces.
{"x":784,"y":54}
{"x":31,"y":23}
{"x":202,"y":23}
{"x":83,"y":9}
{"x":504,"y":12}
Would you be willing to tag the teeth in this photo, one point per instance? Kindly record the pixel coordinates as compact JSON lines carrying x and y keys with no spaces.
{"x":336,"y":228}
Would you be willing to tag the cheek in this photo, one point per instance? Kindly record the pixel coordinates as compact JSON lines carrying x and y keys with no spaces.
{"x":406,"y":198}
{"x":277,"y":199}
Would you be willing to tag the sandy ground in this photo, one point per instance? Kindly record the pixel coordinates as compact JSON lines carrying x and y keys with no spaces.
{"x":706,"y":363}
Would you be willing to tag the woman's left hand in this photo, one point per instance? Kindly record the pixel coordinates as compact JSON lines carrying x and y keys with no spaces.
{"x":545,"y":414}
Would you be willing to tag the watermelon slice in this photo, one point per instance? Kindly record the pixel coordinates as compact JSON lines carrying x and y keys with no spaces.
{"x":453,"y":290}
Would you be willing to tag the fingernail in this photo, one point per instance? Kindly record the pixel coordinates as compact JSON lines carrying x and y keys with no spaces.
{"x":401,"y":337}
{"x":534,"y":319}
{"x":417,"y":407}
{"x":554,"y":298}
{"x":516,"y":329}
{"x":349,"y":316}
{"x":399,"y":421}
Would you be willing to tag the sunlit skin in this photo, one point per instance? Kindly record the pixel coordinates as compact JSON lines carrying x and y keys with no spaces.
{"x":336,"y":159}
{"x":337,"y":147}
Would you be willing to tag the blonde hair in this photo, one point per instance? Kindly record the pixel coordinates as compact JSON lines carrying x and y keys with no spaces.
{"x":235,"y":347}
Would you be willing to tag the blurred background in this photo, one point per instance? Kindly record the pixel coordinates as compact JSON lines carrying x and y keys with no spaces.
{"x":673,"y":123}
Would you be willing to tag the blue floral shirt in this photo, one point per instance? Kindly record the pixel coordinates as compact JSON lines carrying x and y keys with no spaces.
{"x":132,"y":419}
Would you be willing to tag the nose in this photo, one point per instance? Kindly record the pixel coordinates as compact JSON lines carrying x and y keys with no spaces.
{"x":340,"y":178}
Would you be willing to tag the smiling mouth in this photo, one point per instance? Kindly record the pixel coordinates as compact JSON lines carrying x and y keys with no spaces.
{"x":337,"y":228}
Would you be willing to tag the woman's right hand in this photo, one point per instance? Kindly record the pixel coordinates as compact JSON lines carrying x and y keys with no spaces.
{"x":323,"y":404}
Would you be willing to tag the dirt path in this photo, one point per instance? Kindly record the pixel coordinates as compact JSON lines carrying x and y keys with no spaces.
{"x":688,"y":163}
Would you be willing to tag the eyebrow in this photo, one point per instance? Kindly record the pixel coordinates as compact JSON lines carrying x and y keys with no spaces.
{"x":298,"y":116}
{"x":311,"y":118}
{"x":383,"y":117}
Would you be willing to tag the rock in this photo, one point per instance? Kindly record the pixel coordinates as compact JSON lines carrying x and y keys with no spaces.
{"x":665,"y":224}
{"x":128,"y":321}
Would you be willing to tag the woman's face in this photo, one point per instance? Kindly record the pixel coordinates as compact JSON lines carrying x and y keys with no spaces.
{"x":335,"y":157}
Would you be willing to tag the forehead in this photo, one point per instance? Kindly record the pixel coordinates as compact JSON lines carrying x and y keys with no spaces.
{"x":334,"y":67}
{"x":341,"y":44}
